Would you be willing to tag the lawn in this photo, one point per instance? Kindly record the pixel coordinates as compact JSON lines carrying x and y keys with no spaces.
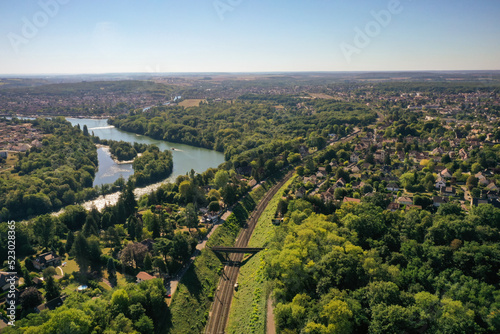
{"x":248,"y":308}
{"x":70,"y":266}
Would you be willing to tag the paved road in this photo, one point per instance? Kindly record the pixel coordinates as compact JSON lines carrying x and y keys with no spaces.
{"x":219,"y":313}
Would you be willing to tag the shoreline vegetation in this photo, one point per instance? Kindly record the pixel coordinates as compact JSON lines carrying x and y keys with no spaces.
{"x":115,"y":159}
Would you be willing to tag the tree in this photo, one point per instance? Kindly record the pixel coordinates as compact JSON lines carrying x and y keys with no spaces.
{"x":229,"y":194}
{"x":52,"y":289}
{"x":185,"y":190}
{"x":148,"y":264}
{"x":44,"y":230}
{"x":111,"y":268}
{"x":472,"y":182}
{"x":27,"y":277}
{"x":476,"y":168}
{"x":164,"y":247}
{"x":456,"y":318}
{"x":407,"y":180}
{"x":134,"y":254}
{"x":49,"y":272}
{"x":145,"y":325}
{"x":90,"y":227}
{"x":31,"y":298}
{"x":81,"y":252}
{"x":214,"y":206}
{"x":120,"y":300}
{"x":94,"y":251}
{"x":300,"y":170}
{"x":128,"y":198}
{"x":122,"y":324}
{"x":64,"y":321}
{"x":69,"y":241}
{"x":159,"y":264}
{"x":221,"y":178}
{"x":391,"y":319}
{"x":136,"y":311}
{"x":132,"y":223}
{"x":85,"y":130}
{"x":191,"y":216}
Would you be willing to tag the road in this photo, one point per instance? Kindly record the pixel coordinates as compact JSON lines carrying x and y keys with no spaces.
{"x":219,"y":313}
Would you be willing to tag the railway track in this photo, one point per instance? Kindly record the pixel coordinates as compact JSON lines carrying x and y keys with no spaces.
{"x":218,"y":316}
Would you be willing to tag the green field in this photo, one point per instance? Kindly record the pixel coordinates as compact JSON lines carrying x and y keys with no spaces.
{"x":248,"y":308}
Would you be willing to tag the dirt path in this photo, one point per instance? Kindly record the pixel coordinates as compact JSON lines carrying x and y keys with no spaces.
{"x":270,"y":325}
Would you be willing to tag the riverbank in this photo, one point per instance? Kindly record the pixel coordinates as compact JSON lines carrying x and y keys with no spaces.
{"x":107,"y":149}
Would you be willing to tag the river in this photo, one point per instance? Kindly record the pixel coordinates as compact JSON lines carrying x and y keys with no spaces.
{"x":185,"y":158}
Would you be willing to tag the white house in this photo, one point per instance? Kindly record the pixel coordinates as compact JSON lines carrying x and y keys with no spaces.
{"x":440,"y":183}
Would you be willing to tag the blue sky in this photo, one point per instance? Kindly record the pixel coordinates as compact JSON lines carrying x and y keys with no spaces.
{"x":109,"y":36}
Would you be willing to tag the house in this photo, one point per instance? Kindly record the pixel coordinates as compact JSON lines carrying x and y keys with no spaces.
{"x":405,"y":200}
{"x":439,"y":169}
{"x":492,"y":186}
{"x":300,"y":192}
{"x":446,"y":173}
{"x":320,"y":174}
{"x":380,"y":155}
{"x":354,"y":158}
{"x":46,"y":260}
{"x":246,"y":170}
{"x":438,"y":200}
{"x":393,"y":207}
{"x":327,"y":196}
{"x":355,"y":169}
{"x":304,"y":151}
{"x":38,"y":281}
{"x":492,"y":194}
{"x":483,"y":181}
{"x":36,"y":143}
{"x":463,"y":154}
{"x":340,"y":183}
{"x":447,"y":191}
{"x":352,"y":200}
{"x":5,"y":280}
{"x":437,"y":151}
{"x":143,"y":276}
{"x":313,"y":179}
{"x":392,"y":187}
{"x":3,"y":154}
{"x":440,"y":183}
{"x":477,"y":201}
{"x":51,"y":305}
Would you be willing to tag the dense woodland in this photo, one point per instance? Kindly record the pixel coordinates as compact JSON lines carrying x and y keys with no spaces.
{"x":367,"y":270}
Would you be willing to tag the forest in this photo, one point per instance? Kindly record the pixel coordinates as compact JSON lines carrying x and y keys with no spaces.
{"x":364,"y":269}
{"x":58,"y":173}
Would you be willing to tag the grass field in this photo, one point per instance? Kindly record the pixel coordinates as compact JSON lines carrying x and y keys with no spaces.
{"x":248,"y":308}
{"x":321,"y":96}
{"x":191,"y":103}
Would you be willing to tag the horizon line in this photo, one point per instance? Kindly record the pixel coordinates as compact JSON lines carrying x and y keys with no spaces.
{"x":249,"y":72}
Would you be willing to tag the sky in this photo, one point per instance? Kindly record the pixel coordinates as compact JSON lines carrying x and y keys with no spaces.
{"x":164,"y":36}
